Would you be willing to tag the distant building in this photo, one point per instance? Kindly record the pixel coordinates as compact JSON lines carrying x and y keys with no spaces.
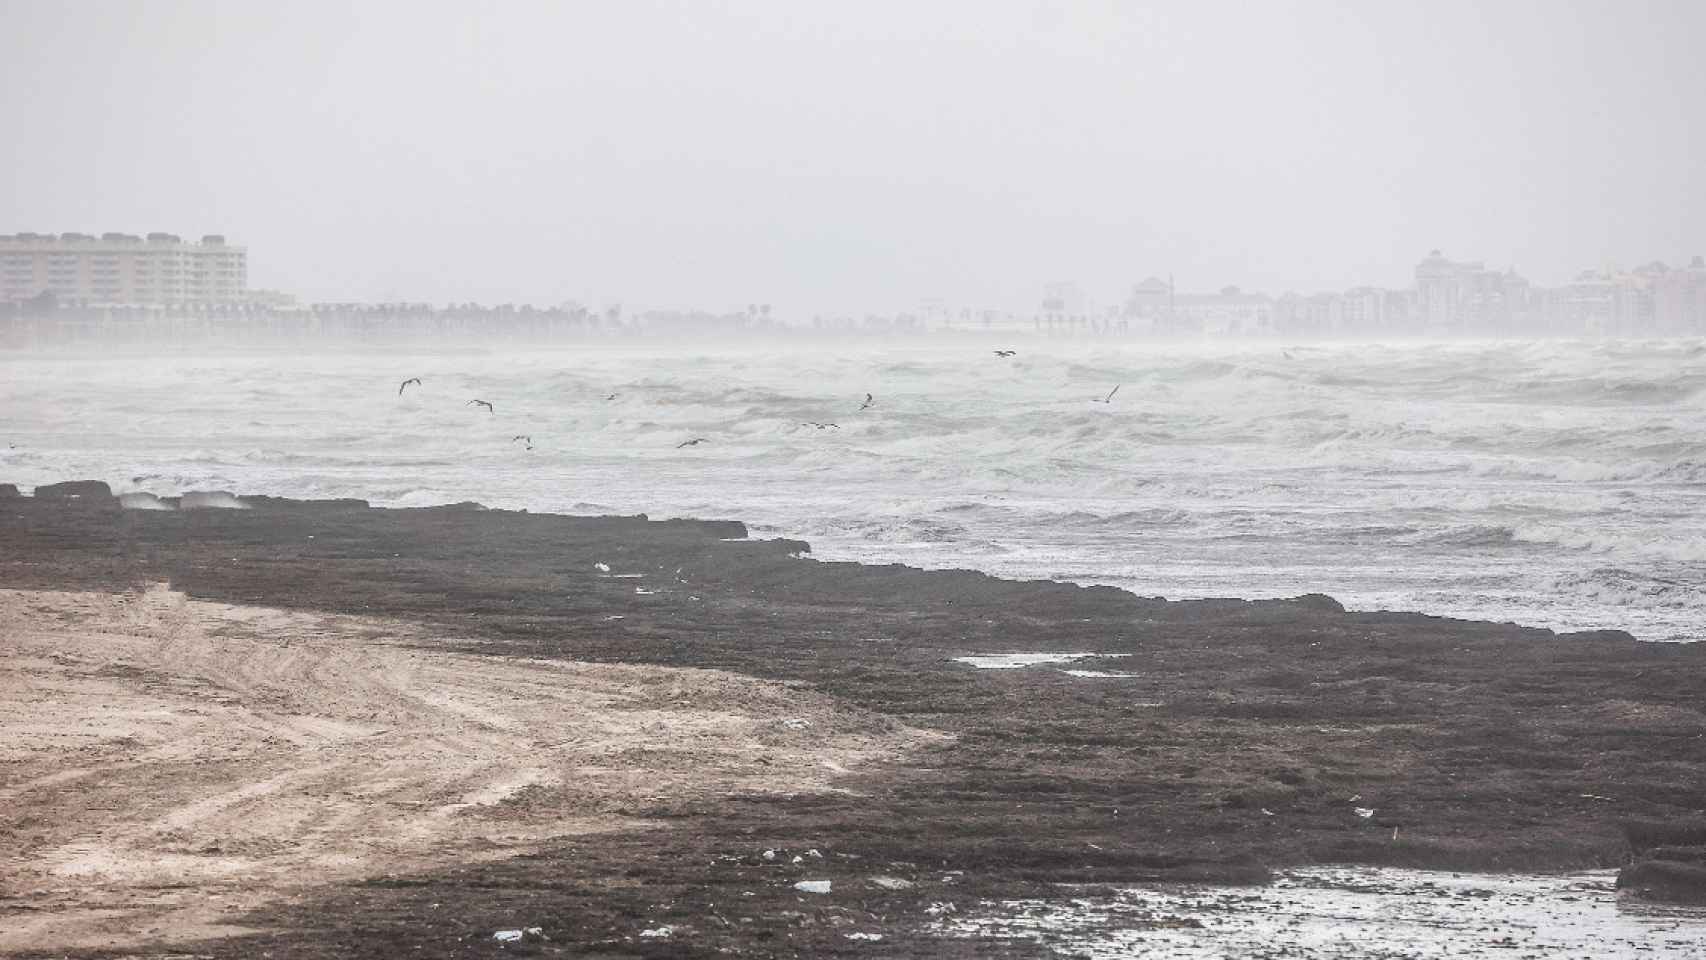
{"x":160,"y":269}
{"x":1231,"y":312}
{"x":1455,"y":297}
{"x":1149,"y":308}
{"x":1679,"y":299}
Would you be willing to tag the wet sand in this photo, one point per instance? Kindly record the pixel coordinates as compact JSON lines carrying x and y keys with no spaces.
{"x":1219,"y":740}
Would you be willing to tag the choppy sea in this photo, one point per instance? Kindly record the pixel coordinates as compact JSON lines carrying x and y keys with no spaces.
{"x":1552,"y":483}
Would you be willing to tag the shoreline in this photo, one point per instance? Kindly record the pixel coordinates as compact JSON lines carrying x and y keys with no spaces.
{"x":1229,"y":738}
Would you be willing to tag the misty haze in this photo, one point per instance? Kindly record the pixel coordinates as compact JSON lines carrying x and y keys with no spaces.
{"x":1009,"y":479}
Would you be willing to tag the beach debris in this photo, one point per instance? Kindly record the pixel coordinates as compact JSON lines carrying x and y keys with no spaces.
{"x":1363,"y":812}
{"x":813,"y":886}
{"x":890,"y":883}
{"x":1266,"y":812}
{"x":941,"y":908}
{"x":1595,"y":796}
{"x":513,"y":936}
{"x":601,"y":567}
{"x":796,"y":723}
{"x":871,"y":937}
{"x":769,"y":855}
{"x":814,"y":854}
{"x":657,"y":933}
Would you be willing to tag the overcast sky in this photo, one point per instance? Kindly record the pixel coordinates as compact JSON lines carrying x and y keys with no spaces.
{"x":860,"y":156}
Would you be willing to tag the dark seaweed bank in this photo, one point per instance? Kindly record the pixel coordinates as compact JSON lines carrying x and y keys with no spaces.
{"x":1227,"y":738}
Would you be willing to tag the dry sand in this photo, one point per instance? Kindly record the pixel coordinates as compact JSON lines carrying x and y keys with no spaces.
{"x":167,"y":764}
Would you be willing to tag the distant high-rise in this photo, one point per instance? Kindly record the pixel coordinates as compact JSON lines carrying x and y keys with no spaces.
{"x":160,"y":269}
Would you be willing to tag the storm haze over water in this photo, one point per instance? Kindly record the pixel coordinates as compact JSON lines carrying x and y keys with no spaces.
{"x":852,"y":158}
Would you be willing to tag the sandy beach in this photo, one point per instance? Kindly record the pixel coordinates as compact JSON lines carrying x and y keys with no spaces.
{"x":319,"y":729}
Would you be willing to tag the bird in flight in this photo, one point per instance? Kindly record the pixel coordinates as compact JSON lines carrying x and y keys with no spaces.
{"x":522,"y":436}
{"x":481,"y":403}
{"x":414,"y":380}
{"x":820,"y":426}
{"x":870,"y":401}
{"x":611,"y":397}
{"x":1109,"y":398}
{"x":1005,"y":353}
{"x":690,"y":443}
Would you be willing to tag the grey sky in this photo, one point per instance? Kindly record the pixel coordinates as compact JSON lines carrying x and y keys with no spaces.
{"x":860,"y":156}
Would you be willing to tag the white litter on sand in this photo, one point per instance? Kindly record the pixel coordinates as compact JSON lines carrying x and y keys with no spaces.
{"x":813,"y":886}
{"x":1014,"y":661}
{"x":872,"y":937}
{"x":657,"y":933}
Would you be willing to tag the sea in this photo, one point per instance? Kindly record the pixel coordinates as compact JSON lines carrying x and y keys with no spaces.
{"x":1552,"y":483}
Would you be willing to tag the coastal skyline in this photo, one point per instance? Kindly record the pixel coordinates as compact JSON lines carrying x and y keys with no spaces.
{"x":839,"y":161}
{"x":55,"y":286}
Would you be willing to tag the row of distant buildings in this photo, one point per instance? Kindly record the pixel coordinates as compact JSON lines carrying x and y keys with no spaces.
{"x":161,"y":280}
{"x":122,"y":268}
{"x":1448,"y":298}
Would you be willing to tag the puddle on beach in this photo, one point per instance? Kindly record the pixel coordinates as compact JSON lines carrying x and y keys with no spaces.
{"x":1013,"y":661}
{"x":1337,"y":913}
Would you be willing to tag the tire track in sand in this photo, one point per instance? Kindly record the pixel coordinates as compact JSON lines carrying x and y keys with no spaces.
{"x":167,"y":764}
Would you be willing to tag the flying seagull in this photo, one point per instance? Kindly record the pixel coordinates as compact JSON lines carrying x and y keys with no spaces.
{"x":611,"y":397}
{"x":690,"y":443}
{"x":414,"y":380}
{"x":1005,"y":353}
{"x":481,"y":403}
{"x":869,"y":402}
{"x":522,"y":436}
{"x":1109,"y":398}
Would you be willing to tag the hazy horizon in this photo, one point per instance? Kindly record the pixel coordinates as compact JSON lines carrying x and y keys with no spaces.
{"x":672,"y":155}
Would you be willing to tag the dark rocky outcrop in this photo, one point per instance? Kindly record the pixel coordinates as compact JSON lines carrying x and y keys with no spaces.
{"x":1665,"y":880}
{"x":1228,"y":737}
{"x":1647,"y":835}
{"x":1598,"y":636}
{"x":82,"y":489}
{"x":8,"y":491}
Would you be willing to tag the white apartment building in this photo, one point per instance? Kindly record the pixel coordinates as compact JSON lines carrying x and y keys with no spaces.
{"x":160,"y":269}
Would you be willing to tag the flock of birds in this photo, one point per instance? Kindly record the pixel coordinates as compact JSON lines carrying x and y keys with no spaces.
{"x":869,"y":402}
